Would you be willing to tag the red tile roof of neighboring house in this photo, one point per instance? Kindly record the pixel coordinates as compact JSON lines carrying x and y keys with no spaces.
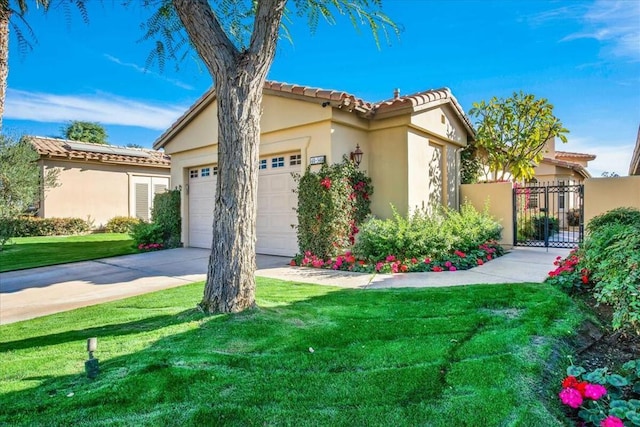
{"x":76,"y":150}
{"x":336,"y":99}
{"x":571,"y":155}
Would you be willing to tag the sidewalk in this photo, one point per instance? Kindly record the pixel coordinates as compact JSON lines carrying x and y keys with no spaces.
{"x":40,"y":291}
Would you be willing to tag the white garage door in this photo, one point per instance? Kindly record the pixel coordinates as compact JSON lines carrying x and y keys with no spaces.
{"x":276,"y":204}
{"x":202,"y":189}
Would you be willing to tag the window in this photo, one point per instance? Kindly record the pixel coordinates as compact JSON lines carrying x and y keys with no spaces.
{"x":193,"y":173}
{"x":262,"y":164}
{"x":215,"y":170}
{"x":277,"y":162}
{"x":295,"y":160}
{"x":561,"y":192}
{"x":205,"y":172}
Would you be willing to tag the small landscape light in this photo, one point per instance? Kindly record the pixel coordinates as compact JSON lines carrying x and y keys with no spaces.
{"x":91,"y":366}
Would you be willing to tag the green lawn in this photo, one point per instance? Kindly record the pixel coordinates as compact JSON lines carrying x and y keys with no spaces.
{"x":460,"y":356}
{"x":30,"y":252}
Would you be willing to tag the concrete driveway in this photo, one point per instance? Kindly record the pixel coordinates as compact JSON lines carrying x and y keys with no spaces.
{"x":40,"y":291}
{"x":35,"y":292}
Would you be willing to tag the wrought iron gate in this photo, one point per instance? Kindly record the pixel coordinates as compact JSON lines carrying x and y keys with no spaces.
{"x":548,"y":215}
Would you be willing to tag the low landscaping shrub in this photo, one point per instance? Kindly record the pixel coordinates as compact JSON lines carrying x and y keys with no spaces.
{"x":626,"y":216}
{"x":120,"y":224}
{"x":573,"y":217}
{"x":532,"y":228}
{"x":147,"y":236}
{"x":32,"y":226}
{"x":421,"y":234}
{"x":416,"y":235}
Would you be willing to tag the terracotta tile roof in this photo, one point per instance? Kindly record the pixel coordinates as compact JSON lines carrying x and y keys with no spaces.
{"x":76,"y":150}
{"x":336,"y":99}
{"x":571,"y":155}
{"x":569,"y":165}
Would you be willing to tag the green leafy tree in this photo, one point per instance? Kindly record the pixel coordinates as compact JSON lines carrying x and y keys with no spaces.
{"x":85,"y":132}
{"x":12,"y":17}
{"x":21,"y":181}
{"x":237,"y":40}
{"x":511,"y":134}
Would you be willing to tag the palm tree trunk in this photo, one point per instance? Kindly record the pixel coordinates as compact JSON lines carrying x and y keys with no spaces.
{"x":5,"y":14}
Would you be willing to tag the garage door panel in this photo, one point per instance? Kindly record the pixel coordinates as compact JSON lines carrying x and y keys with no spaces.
{"x":276,"y":204}
{"x":275,"y":208}
{"x":201,"y":195}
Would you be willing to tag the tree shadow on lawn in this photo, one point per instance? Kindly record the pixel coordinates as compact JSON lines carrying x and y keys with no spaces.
{"x":119,"y":329}
{"x":340,"y":356}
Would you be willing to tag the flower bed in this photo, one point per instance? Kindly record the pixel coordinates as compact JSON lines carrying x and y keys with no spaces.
{"x":457,"y":260}
{"x":602,"y":398}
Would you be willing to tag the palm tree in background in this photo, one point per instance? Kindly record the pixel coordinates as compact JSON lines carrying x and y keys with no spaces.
{"x":12,"y":18}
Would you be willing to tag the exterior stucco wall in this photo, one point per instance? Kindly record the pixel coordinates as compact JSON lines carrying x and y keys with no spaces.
{"x":546,"y":172}
{"x":443,"y":122}
{"x":499,"y":199}
{"x":388,"y":169}
{"x":201,"y":131}
{"x":344,"y":139}
{"x":91,"y":190}
{"x":604,"y":194}
{"x":453,"y":176}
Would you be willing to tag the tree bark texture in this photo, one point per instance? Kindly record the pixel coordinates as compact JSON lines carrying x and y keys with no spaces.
{"x":239,"y":79}
{"x":5,"y":15}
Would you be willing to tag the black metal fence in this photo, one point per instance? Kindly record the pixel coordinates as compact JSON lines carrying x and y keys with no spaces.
{"x":548,"y":215}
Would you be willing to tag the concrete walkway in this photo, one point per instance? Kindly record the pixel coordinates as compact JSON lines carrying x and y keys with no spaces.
{"x":40,"y":291}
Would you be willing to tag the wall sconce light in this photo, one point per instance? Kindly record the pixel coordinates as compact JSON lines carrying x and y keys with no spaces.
{"x":356,"y":156}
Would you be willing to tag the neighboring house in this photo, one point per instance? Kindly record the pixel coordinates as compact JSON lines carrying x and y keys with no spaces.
{"x":634,"y":167}
{"x":563,"y":166}
{"x":411,"y":148}
{"x":98,"y":181}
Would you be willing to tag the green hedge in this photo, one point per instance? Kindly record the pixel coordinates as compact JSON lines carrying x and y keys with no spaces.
{"x":607,"y":266}
{"x":166,"y":215}
{"x":120,"y":224}
{"x":30,"y":226}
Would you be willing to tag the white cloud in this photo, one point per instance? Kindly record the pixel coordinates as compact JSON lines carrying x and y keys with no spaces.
{"x":140,"y":69}
{"x":612,"y":157}
{"x":614,"y":23}
{"x":100,"y":107}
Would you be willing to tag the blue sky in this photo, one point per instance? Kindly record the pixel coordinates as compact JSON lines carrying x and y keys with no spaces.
{"x":583,"y":56}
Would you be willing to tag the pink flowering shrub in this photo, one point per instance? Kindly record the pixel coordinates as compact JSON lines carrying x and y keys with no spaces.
{"x":148,"y":247}
{"x":458,"y":260}
{"x":332,"y":203}
{"x":601,"y":398}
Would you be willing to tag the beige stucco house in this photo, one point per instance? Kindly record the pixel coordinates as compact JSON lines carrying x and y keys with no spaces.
{"x":410,"y":148}
{"x":563,"y":166}
{"x":98,"y":182}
